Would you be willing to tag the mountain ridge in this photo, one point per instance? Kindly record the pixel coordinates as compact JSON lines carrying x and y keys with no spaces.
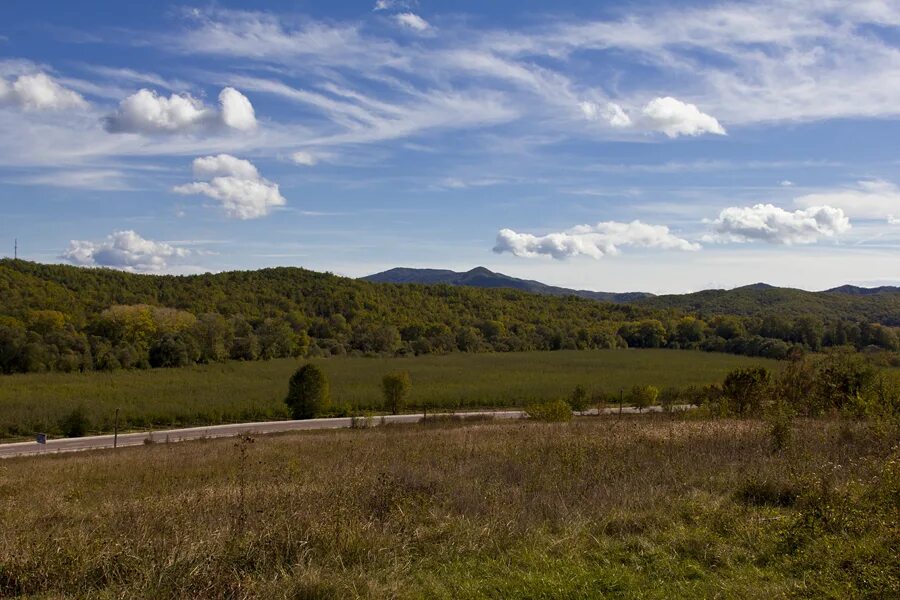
{"x":483,"y":277}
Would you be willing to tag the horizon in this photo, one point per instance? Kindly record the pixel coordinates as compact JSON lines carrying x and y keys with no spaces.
{"x":658,"y":147}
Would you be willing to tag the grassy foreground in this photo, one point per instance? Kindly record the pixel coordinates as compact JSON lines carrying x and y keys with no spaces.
{"x":642,"y":507}
{"x":238,"y":391}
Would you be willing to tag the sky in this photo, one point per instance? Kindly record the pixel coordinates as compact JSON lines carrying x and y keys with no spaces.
{"x":664,"y":147}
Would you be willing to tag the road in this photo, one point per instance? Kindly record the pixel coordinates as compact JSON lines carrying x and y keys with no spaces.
{"x":100,"y":442}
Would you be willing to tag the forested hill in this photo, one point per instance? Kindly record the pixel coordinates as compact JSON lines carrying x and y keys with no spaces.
{"x":485,"y":278}
{"x":58,"y":317}
{"x":876,"y":305}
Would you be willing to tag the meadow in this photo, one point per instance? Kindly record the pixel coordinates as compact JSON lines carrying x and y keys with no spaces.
{"x":248,"y":391}
{"x":600,"y":507}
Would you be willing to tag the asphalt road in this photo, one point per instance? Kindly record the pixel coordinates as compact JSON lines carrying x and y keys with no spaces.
{"x":99,"y":442}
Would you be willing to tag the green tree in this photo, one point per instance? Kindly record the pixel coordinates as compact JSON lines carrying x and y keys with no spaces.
{"x":308,"y":393}
{"x":643,"y":396}
{"x":395,"y":387}
{"x":747,"y":389}
{"x":579,"y":399}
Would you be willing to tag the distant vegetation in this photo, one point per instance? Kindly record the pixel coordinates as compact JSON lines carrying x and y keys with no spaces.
{"x":69,"y":319}
{"x":253,"y":391}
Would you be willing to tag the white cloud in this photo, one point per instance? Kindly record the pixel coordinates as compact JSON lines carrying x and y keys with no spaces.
{"x":39,"y":91}
{"x":147,"y":112}
{"x":303,"y":158}
{"x":786,"y":183}
{"x":124,"y":250}
{"x":768,"y":223}
{"x":224,"y":165}
{"x":892,"y":220}
{"x":664,"y":115}
{"x":236,"y":184}
{"x":595,"y":241}
{"x":412,"y":21}
{"x":674,"y":117}
{"x":612,"y":113}
{"x":237,"y":112}
{"x":869,"y":199}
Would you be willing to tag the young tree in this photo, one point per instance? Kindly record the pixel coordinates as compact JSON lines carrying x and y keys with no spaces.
{"x":579,"y":399}
{"x":747,"y":389}
{"x":643,"y":396}
{"x":395,"y":387}
{"x":308,"y":393}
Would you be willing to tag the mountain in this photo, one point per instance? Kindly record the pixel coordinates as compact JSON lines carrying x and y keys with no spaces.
{"x":485,"y":278}
{"x":861,"y":291}
{"x":762,"y":300}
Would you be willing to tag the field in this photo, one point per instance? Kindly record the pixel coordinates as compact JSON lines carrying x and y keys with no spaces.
{"x":642,"y":507}
{"x":236,"y":391}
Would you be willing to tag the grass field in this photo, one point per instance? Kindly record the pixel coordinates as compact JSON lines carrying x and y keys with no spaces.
{"x":641,"y":507}
{"x":238,"y":391}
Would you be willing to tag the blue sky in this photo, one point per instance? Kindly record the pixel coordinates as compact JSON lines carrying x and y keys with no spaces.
{"x":663,"y":147}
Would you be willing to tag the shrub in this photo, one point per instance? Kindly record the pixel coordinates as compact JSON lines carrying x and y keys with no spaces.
{"x":747,"y":389}
{"x":395,"y":387}
{"x":75,"y":424}
{"x":643,"y":396}
{"x":308,"y":393}
{"x":555,"y":410}
{"x":579,"y":399}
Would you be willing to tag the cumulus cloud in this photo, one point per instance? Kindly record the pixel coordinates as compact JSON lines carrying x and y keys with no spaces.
{"x":595,"y":241}
{"x":674,"y":117}
{"x":664,"y":115}
{"x":237,"y":112}
{"x":892,"y":220}
{"x":124,"y":250}
{"x":39,"y":91}
{"x":870,"y":199}
{"x":236,"y":184}
{"x":303,"y":158}
{"x":147,"y":112}
{"x":412,"y":21}
{"x":768,"y":223}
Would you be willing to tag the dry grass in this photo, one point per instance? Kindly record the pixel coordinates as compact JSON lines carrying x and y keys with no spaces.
{"x":645,"y":507}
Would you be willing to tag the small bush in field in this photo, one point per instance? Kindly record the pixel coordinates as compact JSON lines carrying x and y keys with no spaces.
{"x":308,"y":392}
{"x":579,"y":399}
{"x":555,"y":410}
{"x":643,"y":396}
{"x":75,"y":424}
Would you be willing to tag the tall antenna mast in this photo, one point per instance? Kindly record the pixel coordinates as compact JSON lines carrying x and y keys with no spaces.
{"x":16,"y":249}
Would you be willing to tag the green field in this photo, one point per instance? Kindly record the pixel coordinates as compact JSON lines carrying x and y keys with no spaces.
{"x":243,"y":391}
{"x":651,"y":507}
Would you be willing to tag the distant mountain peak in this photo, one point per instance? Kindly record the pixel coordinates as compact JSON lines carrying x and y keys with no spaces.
{"x":483,"y":277}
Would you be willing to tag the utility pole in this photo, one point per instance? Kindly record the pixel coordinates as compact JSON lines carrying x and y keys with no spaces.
{"x":16,"y":249}
{"x":116,"y":431}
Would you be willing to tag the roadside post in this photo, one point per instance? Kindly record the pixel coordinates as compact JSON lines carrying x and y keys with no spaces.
{"x":116,"y":431}
{"x":621,"y":400}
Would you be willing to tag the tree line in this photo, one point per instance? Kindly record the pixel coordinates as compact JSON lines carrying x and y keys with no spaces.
{"x":63,"y":318}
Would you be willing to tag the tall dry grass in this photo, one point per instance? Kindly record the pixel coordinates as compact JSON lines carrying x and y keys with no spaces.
{"x":651,"y":507}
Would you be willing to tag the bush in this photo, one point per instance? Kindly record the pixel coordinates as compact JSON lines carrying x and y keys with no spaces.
{"x":643,"y":396}
{"x":308,"y":393}
{"x":556,"y":410}
{"x":747,"y":389}
{"x":395,"y":387}
{"x":75,"y":424}
{"x":579,"y":399}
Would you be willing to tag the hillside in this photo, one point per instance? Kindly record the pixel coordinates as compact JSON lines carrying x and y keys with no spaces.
{"x":65,"y":318}
{"x":761,"y":300}
{"x":484,"y":278}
